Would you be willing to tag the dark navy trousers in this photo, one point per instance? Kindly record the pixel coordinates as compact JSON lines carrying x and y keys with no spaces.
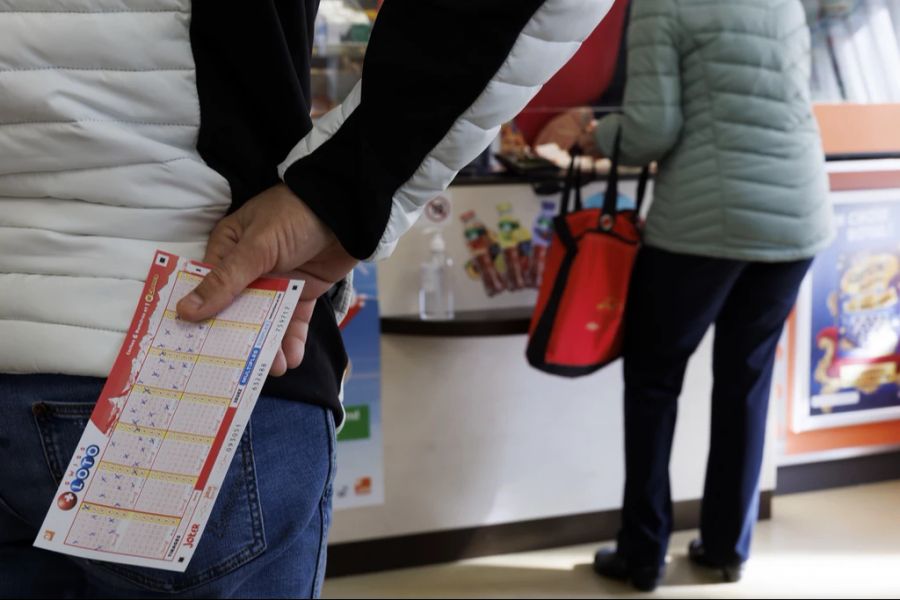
{"x":674,"y":299}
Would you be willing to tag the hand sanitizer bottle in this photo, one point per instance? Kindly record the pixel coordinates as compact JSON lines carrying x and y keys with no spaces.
{"x":436,"y":290}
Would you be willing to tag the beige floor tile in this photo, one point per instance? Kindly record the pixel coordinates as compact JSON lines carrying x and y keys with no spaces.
{"x":840,"y":543}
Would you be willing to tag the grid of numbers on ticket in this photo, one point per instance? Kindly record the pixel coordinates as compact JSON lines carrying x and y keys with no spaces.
{"x":149,"y":471}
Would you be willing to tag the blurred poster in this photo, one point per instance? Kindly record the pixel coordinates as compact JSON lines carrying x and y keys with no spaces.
{"x":360,"y":464}
{"x":838,"y":367}
{"x":854,"y":341}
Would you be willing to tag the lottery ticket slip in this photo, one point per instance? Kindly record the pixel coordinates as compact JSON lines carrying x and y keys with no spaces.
{"x":146,"y":473}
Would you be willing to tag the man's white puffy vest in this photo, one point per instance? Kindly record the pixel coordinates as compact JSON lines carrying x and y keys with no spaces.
{"x":99,"y":120}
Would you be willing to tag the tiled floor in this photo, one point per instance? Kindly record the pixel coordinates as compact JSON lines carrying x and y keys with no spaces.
{"x":841,"y":543}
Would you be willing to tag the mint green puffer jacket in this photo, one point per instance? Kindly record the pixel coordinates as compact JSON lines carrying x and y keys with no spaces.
{"x":718,"y":92}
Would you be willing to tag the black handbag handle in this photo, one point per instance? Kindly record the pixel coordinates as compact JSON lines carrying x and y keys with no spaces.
{"x":572,"y":183}
{"x":579,"y":182}
{"x":641,"y":191}
{"x":611,"y":199}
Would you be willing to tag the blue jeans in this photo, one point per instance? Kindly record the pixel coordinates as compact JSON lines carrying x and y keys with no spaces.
{"x":266,"y":537}
{"x":673,"y":300}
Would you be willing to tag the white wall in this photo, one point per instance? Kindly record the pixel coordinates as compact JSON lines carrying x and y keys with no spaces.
{"x":473,"y":436}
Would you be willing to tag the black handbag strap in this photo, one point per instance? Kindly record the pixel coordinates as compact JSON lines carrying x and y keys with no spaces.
{"x":579,"y":182}
{"x":611,"y":200}
{"x":572,"y":185}
{"x":641,"y":191}
{"x":575,"y":182}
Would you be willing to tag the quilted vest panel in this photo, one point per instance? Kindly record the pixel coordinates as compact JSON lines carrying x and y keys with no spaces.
{"x":99,"y":121}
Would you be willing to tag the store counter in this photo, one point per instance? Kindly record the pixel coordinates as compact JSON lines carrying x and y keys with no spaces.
{"x":482,"y":453}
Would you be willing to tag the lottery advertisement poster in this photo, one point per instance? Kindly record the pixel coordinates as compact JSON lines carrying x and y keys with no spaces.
{"x":854,"y":320}
{"x":838,"y":369}
{"x":359,"y":481}
{"x":151,"y":461}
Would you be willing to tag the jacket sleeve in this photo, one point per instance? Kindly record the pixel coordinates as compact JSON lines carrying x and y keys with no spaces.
{"x":439,"y":79}
{"x":651,"y":120}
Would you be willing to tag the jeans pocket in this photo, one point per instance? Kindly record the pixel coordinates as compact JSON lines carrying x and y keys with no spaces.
{"x":234,"y":534}
{"x":60,"y":425}
{"x":4,"y":506}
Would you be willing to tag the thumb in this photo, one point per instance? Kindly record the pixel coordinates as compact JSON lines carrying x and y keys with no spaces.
{"x":222,"y":285}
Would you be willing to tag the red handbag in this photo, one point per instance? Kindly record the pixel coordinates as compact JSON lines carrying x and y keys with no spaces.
{"x":578,"y":325}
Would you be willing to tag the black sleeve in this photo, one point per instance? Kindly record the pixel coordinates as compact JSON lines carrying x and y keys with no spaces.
{"x":253,"y":78}
{"x":439,"y":78}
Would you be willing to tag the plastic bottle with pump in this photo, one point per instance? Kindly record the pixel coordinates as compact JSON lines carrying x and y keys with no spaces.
{"x":436,"y":289}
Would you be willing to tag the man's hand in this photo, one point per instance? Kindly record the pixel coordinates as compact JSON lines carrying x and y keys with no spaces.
{"x":274,"y":233}
{"x":574,"y":127}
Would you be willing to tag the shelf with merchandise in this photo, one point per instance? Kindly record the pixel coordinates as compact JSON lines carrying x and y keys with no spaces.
{"x":855,"y":60}
{"x":855,"y":51}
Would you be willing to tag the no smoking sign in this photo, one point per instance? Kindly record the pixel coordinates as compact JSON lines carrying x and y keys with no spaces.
{"x":439,"y":209}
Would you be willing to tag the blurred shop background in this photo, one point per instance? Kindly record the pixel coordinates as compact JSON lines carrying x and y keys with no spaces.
{"x":456,"y":449}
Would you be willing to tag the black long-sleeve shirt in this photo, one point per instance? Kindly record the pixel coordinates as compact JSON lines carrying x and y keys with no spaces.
{"x":439,"y":78}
